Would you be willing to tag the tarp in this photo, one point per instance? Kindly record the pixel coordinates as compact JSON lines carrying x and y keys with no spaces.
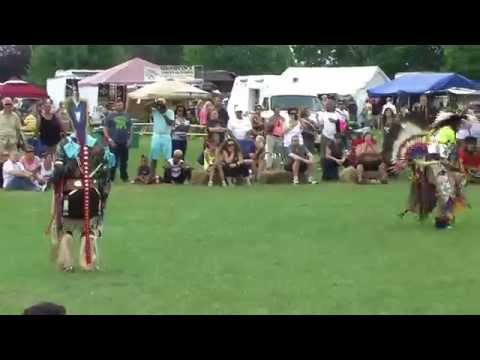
{"x":462,"y":91}
{"x":135,"y":71}
{"x":421,"y":83}
{"x":21,"y":89}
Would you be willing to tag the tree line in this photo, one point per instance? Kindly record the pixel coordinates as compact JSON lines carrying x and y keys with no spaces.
{"x":36,"y":63}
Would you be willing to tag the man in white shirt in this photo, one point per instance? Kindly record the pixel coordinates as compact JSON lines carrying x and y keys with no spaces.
{"x":389,"y":105}
{"x":328,"y":121}
{"x":15,"y":177}
{"x":240,"y":126}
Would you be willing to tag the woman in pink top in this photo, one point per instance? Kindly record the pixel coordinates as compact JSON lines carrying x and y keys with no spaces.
{"x":205,"y":112}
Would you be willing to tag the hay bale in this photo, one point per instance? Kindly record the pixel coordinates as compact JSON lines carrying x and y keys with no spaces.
{"x":348,"y":175}
{"x":278,"y":177}
{"x":200,"y":177}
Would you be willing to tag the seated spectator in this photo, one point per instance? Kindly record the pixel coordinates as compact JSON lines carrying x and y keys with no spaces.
{"x":46,"y":169}
{"x":469,"y":158}
{"x":300,"y":161}
{"x":45,"y":308}
{"x":233,"y":164}
{"x":15,"y":177}
{"x":32,"y":164}
{"x":212,"y":165}
{"x":144,"y":174}
{"x":369,"y":158}
{"x":3,"y":159}
{"x":294,"y":128}
{"x":334,"y":157}
{"x":216,"y":128}
{"x":176,"y":171}
{"x":258,"y":159}
{"x":180,"y":130}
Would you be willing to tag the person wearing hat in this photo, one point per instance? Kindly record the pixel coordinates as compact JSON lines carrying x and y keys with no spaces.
{"x":161,"y":144}
{"x":241,"y":129}
{"x":10,"y":132}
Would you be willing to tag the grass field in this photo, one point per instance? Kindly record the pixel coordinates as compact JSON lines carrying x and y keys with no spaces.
{"x":269,"y":249}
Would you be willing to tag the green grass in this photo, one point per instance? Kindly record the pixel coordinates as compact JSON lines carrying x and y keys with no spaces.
{"x":272,"y":249}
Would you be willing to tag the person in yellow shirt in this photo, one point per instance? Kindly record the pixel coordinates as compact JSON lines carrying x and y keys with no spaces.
{"x":30,"y":124}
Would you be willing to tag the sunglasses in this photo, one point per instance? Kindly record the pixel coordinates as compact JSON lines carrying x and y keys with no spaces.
{"x":7,"y":104}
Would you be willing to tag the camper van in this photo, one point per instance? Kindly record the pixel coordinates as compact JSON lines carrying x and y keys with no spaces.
{"x":271,"y":91}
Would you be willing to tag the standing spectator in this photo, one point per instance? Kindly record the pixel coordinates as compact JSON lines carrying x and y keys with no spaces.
{"x":176,"y":171}
{"x":118,"y":132}
{"x":65,"y":121}
{"x":423,"y":112}
{"x":180,"y":130}
{"x":212,"y":164}
{"x":300,"y":160}
{"x":222,"y":112}
{"x":309,"y":130}
{"x":10,"y":133}
{"x":366,"y":115}
{"x":161,"y":145}
{"x":232,"y":161}
{"x":334,"y":157}
{"x":343,"y":112}
{"x":15,"y":177}
{"x":329,"y":121}
{"x":198,"y":109}
{"x":204,"y":113}
{"x":216,"y":129}
{"x":388,"y":119}
{"x":258,"y":122}
{"x":241,"y":129}
{"x":274,"y":130}
{"x":389,"y":105}
{"x":49,"y":129}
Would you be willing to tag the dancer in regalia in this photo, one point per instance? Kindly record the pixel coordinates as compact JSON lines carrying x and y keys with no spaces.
{"x":436,"y":180}
{"x":81,"y":187}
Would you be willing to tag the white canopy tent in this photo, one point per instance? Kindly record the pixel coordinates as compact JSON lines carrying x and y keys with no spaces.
{"x":352,"y":81}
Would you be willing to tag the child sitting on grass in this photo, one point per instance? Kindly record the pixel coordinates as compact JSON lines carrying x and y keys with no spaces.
{"x":211,"y":165}
{"x":176,"y":171}
{"x":144,"y":175}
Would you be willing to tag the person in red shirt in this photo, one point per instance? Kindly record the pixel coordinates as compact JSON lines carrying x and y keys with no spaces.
{"x":469,"y":158}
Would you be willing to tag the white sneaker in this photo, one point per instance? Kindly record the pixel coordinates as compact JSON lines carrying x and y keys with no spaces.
{"x":249,"y":183}
{"x":224,"y":184}
{"x":295,"y":181}
{"x":210,"y":183}
{"x":186,"y":182}
{"x":312,"y":181}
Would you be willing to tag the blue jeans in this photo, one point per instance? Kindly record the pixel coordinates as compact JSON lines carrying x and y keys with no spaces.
{"x":21,"y":183}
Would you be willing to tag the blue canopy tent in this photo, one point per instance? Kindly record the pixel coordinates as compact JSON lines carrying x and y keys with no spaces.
{"x":421,"y":83}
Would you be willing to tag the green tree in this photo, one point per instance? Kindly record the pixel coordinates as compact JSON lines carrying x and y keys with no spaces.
{"x":249,"y":59}
{"x":157,"y":54}
{"x":463,"y":59}
{"x":14,"y":61}
{"x":391,"y":58}
{"x":46,"y":59}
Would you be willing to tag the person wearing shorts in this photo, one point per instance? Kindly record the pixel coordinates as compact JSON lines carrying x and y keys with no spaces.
{"x":161,"y":145}
{"x":300,"y":161}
